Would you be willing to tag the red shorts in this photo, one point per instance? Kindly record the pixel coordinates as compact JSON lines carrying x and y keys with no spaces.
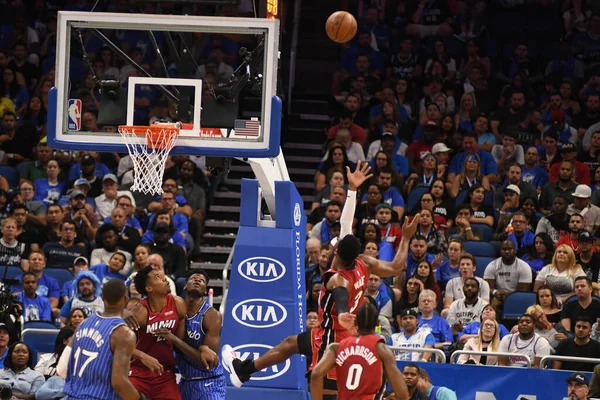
{"x":321,"y":338}
{"x":154,"y":386}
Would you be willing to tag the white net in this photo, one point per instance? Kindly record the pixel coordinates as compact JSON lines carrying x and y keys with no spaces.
{"x":149,"y":147}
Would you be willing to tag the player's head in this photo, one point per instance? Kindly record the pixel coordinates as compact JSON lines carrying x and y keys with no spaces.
{"x":114,"y":294}
{"x":367,"y":317}
{"x":196,"y":282}
{"x":149,"y":282}
{"x":348,"y":249}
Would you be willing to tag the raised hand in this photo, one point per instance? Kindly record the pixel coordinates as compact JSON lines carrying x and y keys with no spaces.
{"x":361,"y":174}
{"x":348,"y":321}
{"x":409,"y":228}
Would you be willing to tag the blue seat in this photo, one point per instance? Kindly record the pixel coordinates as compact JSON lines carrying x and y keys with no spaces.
{"x":486,"y":230}
{"x":61,"y":275}
{"x":11,"y":272}
{"x":480,"y":249}
{"x":482,"y":263}
{"x":516,"y":303}
{"x":461,"y":197}
{"x":40,"y":341}
{"x":11,"y":175}
{"x":574,"y":298}
{"x":21,"y":166}
{"x":414,"y":196}
{"x":38,"y":325}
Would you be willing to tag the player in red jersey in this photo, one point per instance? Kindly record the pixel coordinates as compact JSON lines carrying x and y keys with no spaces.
{"x":343,"y":290}
{"x":362,"y":363}
{"x":152,"y":370}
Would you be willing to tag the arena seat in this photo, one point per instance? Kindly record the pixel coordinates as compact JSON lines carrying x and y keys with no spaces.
{"x":486,"y":230}
{"x":414,"y":196}
{"x":479,"y":249}
{"x":482,"y":263}
{"x":516,"y":303}
{"x":40,"y":341}
{"x":11,"y":175}
{"x":38,"y":325}
{"x":61,"y":275}
{"x":10,"y":272}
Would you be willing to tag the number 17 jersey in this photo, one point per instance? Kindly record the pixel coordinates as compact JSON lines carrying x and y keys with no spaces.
{"x":90,"y":365}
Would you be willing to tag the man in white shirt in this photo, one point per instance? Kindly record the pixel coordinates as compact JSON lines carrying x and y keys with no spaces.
{"x":507,"y":274}
{"x":525,"y":342}
{"x":107,"y":201}
{"x":464,"y":311}
{"x":410,"y":337}
{"x":454,"y":288}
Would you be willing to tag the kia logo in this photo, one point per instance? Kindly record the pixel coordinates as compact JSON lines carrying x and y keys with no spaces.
{"x":259,"y":313}
{"x":252,"y":352}
{"x":297,"y":214}
{"x":261,"y":269}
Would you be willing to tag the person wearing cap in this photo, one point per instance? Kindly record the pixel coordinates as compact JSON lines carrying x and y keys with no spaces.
{"x":487,"y":166}
{"x":62,"y":253}
{"x":581,"y":345}
{"x":559,"y":122}
{"x":36,"y":210}
{"x":533,"y":173}
{"x":33,"y":170}
{"x":107,"y":201}
{"x":87,"y":291}
{"x":441,"y":152}
{"x":579,"y":387}
{"x":89,"y":169}
{"x":411,"y":337}
{"x":82,"y":214}
{"x":390,"y":233}
{"x":565,"y":186}
{"x":527,"y":342}
{"x":571,"y":238}
{"x":568,"y":152}
{"x":582,"y":205}
{"x":554,"y":104}
{"x":80,"y":264}
{"x":588,"y":258}
{"x":418,"y":148}
{"x":508,"y":152}
{"x":390,"y":129}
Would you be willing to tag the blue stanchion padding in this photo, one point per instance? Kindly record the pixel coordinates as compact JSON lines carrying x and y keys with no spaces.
{"x":498,"y":382}
{"x":266,"y":296}
{"x":247,"y":393}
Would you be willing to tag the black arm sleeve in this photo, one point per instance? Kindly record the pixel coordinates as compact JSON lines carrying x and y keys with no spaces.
{"x":340,"y":297}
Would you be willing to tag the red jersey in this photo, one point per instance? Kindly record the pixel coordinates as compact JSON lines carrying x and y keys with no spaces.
{"x":359,"y":370}
{"x":156,"y":347}
{"x":357,"y":277}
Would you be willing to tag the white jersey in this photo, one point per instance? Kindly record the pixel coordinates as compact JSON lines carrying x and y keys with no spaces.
{"x":508,"y":277}
{"x":417,"y":340}
{"x":460,"y":312}
{"x":454,"y":288}
{"x":537,"y":346}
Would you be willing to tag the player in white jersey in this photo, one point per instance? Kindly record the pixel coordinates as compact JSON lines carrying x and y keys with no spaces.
{"x":410,"y":337}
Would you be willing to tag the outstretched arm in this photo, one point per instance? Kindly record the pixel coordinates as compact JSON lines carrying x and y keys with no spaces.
{"x":321,"y":370}
{"x":355,"y":179}
{"x":392,"y":372}
{"x":122,"y":344}
{"x":398,"y":265}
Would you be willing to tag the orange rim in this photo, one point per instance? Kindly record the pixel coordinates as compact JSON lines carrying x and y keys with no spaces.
{"x":158,"y":136}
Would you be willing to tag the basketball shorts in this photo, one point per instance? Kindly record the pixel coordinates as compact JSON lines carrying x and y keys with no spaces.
{"x":155,"y":386}
{"x":205,"y":389}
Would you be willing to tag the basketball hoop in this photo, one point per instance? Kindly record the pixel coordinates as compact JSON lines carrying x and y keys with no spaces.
{"x":149,"y":156}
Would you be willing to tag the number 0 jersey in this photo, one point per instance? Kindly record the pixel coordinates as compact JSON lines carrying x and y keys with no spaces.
{"x":90,"y":365}
{"x":359,"y":370}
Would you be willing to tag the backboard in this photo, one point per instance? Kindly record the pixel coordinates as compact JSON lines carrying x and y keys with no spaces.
{"x":216,"y":75}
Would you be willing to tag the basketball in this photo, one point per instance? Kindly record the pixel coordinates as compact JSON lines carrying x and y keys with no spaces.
{"x":341,"y":26}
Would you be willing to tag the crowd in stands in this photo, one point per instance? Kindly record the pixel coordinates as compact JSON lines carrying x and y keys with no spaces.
{"x":483,"y":117}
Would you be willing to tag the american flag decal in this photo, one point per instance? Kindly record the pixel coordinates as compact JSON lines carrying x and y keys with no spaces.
{"x":246,"y":127}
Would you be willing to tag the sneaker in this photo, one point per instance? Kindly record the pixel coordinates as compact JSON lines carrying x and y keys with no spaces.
{"x":232,"y":365}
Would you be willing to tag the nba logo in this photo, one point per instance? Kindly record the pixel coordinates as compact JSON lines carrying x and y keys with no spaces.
{"x":74,"y":115}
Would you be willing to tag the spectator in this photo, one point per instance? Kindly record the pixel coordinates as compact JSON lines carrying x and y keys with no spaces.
{"x":12,"y":252}
{"x":464,"y":311}
{"x":579,"y":346}
{"x":521,"y":62}
{"x":557,"y":223}
{"x":47,"y":362}
{"x":80,"y":264}
{"x":571,"y":239}
{"x":125,"y":203}
{"x":163,"y":217}
{"x":81,"y":214}
{"x":521,"y":236}
{"x":426,"y":202}
{"x":391,"y":195}
{"x":366,"y":213}
{"x":315,"y":273}
{"x":531,"y":172}
{"x":357,"y":133}
{"x":434,"y":392}
{"x":86,"y":295}
{"x":417,"y":151}
{"x":588,"y":259}
{"x":107,"y":201}
{"x":76,"y":317}
{"x":561,"y":273}
{"x":47,"y":285}
{"x":508,"y":152}
{"x":582,"y":205}
{"x":382,"y":300}
{"x":50,"y":189}
{"x":53,"y":221}
{"x":322,"y":230}
{"x":88,"y":169}
{"x":140,"y":257}
{"x":109,"y":241}
{"x":482,"y":213}
{"x":116,"y":263}
{"x":408,"y":297}
{"x":568,"y":154}
{"x":449,"y":268}
{"x":4,"y":339}
{"x":18,"y":372}
{"x":540,"y":253}
{"x":463,"y":230}
{"x":488,"y":339}
{"x":470,"y":176}
{"x":454,"y":289}
{"x":335,"y":179}
{"x":507,"y":274}
{"x":585,"y":305}
{"x":35,"y":308}
{"x":472,"y":330}
{"x":564,"y":186}
{"x":426,"y":274}
{"x":549,"y":153}
{"x":487,"y":164}
{"x":411,"y":337}
{"x":553,"y":333}
{"x":433,"y":19}
{"x":579,"y":386}
{"x":26,"y":231}
{"x":128,"y":237}
{"x":175,"y":260}
{"x":547,"y":300}
{"x":313,"y":251}
{"x":512,"y":115}
{"x":436,"y":241}
{"x":417,"y":254}
{"x":63,"y":253}
{"x":443,"y":206}
{"x":527,"y":342}
{"x":167,"y":201}
{"x":36,"y":210}
{"x":33,"y":170}
{"x":404,"y":64}
{"x":431,"y":323}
